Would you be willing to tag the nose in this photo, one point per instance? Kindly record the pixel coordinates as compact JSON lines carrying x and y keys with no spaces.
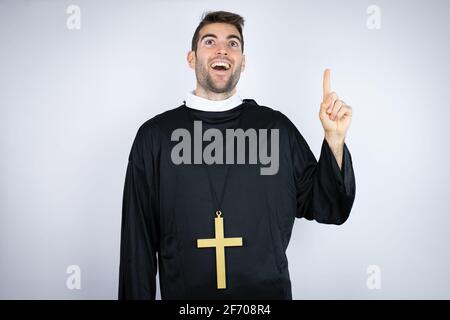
{"x":222,"y":49}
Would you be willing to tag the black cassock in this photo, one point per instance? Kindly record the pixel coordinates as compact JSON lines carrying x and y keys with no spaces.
{"x":167,"y":207}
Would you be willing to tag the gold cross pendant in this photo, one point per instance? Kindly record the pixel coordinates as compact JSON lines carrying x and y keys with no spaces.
{"x":219,"y":242}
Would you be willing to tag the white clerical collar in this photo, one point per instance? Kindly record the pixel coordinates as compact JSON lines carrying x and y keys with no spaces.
{"x":199,"y":103}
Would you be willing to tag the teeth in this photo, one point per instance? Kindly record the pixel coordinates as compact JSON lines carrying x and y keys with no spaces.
{"x":221,"y":64}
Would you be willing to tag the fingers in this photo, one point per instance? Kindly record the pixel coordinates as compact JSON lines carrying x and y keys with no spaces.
{"x":335,"y":109}
{"x":338,"y":110}
{"x":326,"y":83}
{"x":329,"y":102}
{"x":344,"y":111}
{"x":331,"y":105}
{"x":325,"y":106}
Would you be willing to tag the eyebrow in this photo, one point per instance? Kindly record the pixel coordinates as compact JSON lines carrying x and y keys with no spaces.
{"x":212,"y":35}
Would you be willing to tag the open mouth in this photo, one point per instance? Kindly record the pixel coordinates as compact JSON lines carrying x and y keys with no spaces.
{"x":220,"y":66}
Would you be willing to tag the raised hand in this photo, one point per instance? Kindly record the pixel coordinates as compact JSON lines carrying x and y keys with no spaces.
{"x":334,"y":114}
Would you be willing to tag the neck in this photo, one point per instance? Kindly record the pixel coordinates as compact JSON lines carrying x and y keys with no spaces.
{"x":206,"y":94}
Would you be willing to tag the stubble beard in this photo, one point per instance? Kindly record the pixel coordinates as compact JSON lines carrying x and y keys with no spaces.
{"x":205,"y":80}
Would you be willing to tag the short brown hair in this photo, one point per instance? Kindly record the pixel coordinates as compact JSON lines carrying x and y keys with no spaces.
{"x":219,"y":17}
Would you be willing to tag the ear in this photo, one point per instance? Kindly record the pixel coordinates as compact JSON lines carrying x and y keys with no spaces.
{"x":243,"y":63}
{"x":191,"y":59}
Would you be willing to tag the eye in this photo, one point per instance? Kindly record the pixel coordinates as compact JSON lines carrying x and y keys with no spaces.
{"x":234,"y":44}
{"x":209,"y":42}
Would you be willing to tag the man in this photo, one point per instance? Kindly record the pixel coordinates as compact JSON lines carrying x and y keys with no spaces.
{"x":213,"y":186}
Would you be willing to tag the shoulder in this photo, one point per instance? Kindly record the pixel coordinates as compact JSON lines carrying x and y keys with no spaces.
{"x":161,"y":123}
{"x":150,"y":132}
{"x":161,"y":120}
{"x":272,"y":118}
{"x":257,"y":111}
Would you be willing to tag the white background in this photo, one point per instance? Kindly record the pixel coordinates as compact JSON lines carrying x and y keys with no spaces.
{"x":71,"y":102}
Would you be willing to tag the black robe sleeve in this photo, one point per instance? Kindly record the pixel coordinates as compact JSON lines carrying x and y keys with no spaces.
{"x":325,"y":193}
{"x":139,"y":235}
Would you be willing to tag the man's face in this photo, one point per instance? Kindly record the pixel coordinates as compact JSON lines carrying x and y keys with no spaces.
{"x":219,"y":60}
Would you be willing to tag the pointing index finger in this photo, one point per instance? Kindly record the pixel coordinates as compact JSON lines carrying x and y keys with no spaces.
{"x":326,"y":83}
